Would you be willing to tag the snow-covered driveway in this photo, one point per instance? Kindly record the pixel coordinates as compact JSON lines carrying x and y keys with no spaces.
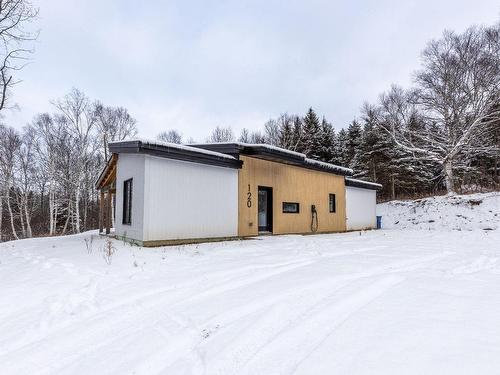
{"x":383,"y":302}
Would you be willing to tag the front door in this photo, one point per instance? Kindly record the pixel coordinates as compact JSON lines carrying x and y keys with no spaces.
{"x":265,"y":208}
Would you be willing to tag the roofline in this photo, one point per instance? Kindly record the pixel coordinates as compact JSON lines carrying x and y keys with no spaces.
{"x":164,"y":150}
{"x":362,"y":184}
{"x":272,"y":153}
{"x":97,"y":182}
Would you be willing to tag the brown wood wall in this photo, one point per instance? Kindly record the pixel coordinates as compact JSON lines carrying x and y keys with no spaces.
{"x":290,"y":184}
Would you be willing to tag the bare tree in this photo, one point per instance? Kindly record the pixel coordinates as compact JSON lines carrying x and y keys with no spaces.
{"x":78,"y":116}
{"x":220,"y":134}
{"x":25,"y":178}
{"x":15,"y":19}
{"x":170,"y":136}
{"x":244,"y":136}
{"x":457,"y":94}
{"x":10,"y":143}
{"x":113,"y":124}
{"x":272,"y":132}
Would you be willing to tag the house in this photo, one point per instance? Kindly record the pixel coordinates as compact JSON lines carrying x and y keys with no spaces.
{"x":168,"y":193}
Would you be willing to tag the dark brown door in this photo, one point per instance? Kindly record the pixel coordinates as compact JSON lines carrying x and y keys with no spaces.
{"x":265,"y":209}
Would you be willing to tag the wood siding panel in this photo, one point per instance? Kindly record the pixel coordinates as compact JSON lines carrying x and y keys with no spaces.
{"x":290,"y":184}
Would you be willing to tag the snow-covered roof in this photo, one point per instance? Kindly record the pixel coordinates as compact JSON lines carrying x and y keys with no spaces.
{"x":260,"y":145}
{"x":175,"y":152}
{"x":175,"y":146}
{"x":274,"y":153}
{"x":329,"y":166}
{"x":362,"y":184}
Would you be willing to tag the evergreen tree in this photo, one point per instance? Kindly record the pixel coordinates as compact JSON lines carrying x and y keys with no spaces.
{"x":327,"y":141}
{"x":311,"y":131}
{"x":354,"y":134}
{"x":340,"y":149}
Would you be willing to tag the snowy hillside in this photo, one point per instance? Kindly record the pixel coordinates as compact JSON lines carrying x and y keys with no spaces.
{"x":460,"y":212}
{"x":377,"y":302}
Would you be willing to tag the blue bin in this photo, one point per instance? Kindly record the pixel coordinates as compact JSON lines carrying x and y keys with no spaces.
{"x":379,"y":222}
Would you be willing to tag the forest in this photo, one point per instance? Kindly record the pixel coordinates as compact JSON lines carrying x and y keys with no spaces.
{"x":439,"y":136}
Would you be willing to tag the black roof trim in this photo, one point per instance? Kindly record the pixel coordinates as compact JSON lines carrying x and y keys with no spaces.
{"x":362,"y":184}
{"x":175,"y":152}
{"x":263,"y":151}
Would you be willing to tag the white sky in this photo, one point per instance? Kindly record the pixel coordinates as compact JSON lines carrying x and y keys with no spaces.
{"x":193,"y":65}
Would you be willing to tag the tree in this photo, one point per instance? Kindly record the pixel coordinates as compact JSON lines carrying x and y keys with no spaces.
{"x":15,"y":34}
{"x":311,"y":135}
{"x":113,"y":124}
{"x":170,"y":136}
{"x":272,"y":132}
{"x":244,"y":136}
{"x":340,"y":149}
{"x":79,"y":118}
{"x":327,"y":141}
{"x":353,"y":141}
{"x":458,"y":95}
{"x":286,"y":134}
{"x":220,"y":135}
{"x":10,"y":143}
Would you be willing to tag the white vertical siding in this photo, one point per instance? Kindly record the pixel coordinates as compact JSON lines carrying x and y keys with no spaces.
{"x":185,"y":200}
{"x":360,"y":208}
{"x":130,"y":166}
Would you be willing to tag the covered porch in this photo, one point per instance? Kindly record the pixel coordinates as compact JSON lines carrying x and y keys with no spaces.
{"x":106,"y":186}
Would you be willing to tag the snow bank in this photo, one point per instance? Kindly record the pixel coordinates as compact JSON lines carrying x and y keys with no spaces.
{"x":459,"y":212}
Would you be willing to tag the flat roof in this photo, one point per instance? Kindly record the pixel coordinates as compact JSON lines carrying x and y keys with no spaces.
{"x":362,"y":184}
{"x":174,"y":151}
{"x":273,"y":153}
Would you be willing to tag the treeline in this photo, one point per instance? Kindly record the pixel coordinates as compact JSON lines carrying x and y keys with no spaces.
{"x":440,"y":135}
{"x":48,"y":169}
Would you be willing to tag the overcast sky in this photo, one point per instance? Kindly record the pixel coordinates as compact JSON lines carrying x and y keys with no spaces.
{"x":193,"y":65}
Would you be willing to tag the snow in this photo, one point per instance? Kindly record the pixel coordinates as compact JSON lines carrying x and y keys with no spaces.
{"x":456,"y":212}
{"x":333,"y":167}
{"x":285,"y":151}
{"x":260,"y":145}
{"x":393,"y":301}
{"x":176,"y":146}
{"x":366,"y":183}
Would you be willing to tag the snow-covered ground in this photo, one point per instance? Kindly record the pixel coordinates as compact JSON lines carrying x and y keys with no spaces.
{"x":378,"y":302}
{"x":458,"y":212}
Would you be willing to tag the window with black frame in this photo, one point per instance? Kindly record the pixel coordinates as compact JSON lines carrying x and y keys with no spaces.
{"x":332,"y":204}
{"x":290,"y":208}
{"x":127,"y":202}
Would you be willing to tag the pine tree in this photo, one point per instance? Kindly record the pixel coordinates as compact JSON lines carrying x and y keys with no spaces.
{"x":311,"y":131}
{"x":340,"y":149}
{"x":354,"y":134}
{"x":327,"y":141}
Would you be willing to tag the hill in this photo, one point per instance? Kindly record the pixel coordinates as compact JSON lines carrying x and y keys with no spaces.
{"x":458,"y":212}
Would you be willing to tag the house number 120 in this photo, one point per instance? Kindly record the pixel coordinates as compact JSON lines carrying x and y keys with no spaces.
{"x":249,"y":197}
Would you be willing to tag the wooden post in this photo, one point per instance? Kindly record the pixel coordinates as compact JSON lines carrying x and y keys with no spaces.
{"x":108,"y":212}
{"x":101,"y":212}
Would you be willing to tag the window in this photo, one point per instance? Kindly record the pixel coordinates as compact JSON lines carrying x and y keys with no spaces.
{"x":290,"y":208}
{"x":127,"y":202}
{"x":332,"y":204}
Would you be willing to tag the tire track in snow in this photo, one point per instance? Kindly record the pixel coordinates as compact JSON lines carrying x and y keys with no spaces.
{"x":104,"y":324}
{"x":295,"y":307}
{"x":479,"y":264}
{"x":314,"y":329}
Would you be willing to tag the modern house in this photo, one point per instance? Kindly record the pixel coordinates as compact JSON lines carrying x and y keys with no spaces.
{"x":168,"y":193}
